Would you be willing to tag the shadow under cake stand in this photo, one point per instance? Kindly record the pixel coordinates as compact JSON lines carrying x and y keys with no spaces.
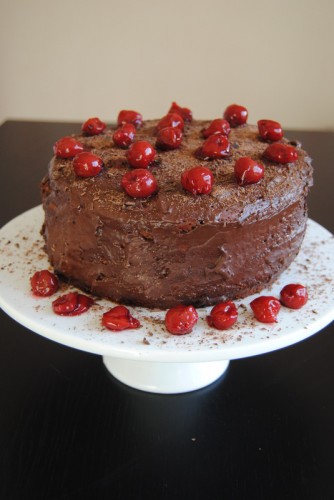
{"x":149,"y":358}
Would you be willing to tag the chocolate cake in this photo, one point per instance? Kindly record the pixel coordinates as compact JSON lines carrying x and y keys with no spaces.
{"x":174,"y":247}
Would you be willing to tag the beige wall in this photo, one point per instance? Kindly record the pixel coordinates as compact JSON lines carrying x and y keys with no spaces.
{"x":71,"y":59}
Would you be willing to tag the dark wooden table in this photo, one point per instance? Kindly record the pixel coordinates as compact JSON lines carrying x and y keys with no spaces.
{"x":68,"y":430}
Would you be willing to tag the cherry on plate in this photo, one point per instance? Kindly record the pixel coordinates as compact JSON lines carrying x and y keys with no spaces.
{"x":180,"y":320}
{"x":294,"y":296}
{"x":223,"y":315}
{"x":119,"y":318}
{"x":266,"y":308}
{"x":44,"y":283}
{"x":72,"y":304}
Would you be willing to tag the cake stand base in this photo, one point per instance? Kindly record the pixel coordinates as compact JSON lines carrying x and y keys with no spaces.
{"x":165,"y":378}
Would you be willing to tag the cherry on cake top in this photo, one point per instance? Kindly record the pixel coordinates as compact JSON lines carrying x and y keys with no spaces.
{"x":129,"y":116}
{"x":171,"y":120}
{"x":216,"y":146}
{"x":87,"y":164}
{"x":93,"y":126}
{"x":185,"y":113}
{"x":67,"y":147}
{"x":217,"y":126}
{"x":139,"y":183}
{"x":197,"y":180}
{"x":169,"y":138}
{"x":236,"y":115}
{"x":140,"y":154}
{"x":270,"y":130}
{"x":169,"y":135}
{"x":124,"y":136}
{"x":248,"y":171}
{"x":278,"y":152}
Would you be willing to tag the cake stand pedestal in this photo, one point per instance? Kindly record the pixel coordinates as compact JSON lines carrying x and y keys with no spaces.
{"x":165,"y":378}
{"x":149,"y":358}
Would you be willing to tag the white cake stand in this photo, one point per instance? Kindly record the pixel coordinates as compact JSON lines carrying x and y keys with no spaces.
{"x":149,"y":358}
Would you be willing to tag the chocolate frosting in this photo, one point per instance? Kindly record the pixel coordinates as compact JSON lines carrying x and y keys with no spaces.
{"x":174,"y":247}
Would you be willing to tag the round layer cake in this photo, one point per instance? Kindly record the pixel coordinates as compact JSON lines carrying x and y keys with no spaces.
{"x":174,"y":247}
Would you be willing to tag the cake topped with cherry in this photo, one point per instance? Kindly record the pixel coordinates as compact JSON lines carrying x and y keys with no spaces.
{"x":175,"y":211}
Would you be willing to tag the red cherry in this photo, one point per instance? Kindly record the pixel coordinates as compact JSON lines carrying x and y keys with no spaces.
{"x":65,"y":304}
{"x":93,"y":126}
{"x":217,"y":126}
{"x":84,"y":303}
{"x":130,"y":116}
{"x":180,"y":320}
{"x":185,"y":113}
{"x":119,"y":318}
{"x":169,"y":138}
{"x":197,"y":180}
{"x":72,"y":304}
{"x":67,"y":147}
{"x":266,"y":309}
{"x":140,"y":154}
{"x":223,"y":315}
{"x":87,"y":165}
{"x":236,"y":115}
{"x":139,"y":183}
{"x":171,"y":120}
{"x":294,"y":296}
{"x":216,"y":146}
{"x":248,"y":171}
{"x":281,"y":153}
{"x":43,"y":283}
{"x":270,"y":130}
{"x":124,"y":135}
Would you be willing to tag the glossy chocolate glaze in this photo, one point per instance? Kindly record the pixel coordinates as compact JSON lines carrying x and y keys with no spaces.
{"x":174,"y":247}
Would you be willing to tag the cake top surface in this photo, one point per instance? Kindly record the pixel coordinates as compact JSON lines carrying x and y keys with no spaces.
{"x":228,"y":202}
